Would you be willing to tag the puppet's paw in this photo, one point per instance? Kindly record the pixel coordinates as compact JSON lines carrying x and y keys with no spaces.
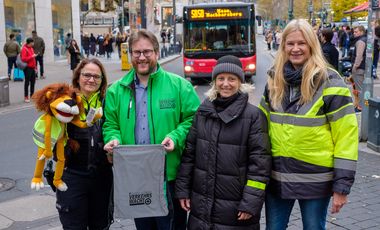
{"x":37,"y":184}
{"x":60,"y":185}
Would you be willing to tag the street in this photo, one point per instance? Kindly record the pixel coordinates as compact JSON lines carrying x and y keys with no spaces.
{"x":18,"y":154}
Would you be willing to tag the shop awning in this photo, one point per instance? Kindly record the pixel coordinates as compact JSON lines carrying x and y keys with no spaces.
{"x":360,"y":8}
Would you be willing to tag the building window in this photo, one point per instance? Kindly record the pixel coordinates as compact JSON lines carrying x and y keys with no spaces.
{"x":84,"y":5}
{"x":19,"y":19}
{"x":62,"y":25}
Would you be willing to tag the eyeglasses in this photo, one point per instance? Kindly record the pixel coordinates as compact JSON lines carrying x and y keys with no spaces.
{"x":88,"y":76}
{"x":146,"y":53}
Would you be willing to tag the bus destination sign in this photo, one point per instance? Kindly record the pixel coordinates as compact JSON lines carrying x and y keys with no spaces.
{"x":218,"y":13}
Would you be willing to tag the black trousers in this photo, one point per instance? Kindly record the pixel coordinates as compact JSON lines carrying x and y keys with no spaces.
{"x":30,"y":77}
{"x":40,"y":61}
{"x":86,"y":204}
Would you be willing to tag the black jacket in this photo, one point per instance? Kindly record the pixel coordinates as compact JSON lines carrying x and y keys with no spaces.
{"x":90,"y":155}
{"x":223,"y":151}
{"x":331,"y":54}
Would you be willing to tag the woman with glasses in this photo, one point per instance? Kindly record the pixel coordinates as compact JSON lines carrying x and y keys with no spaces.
{"x":88,"y":174}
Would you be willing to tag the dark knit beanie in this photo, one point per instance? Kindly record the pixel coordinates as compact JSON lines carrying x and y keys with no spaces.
{"x":228,"y":64}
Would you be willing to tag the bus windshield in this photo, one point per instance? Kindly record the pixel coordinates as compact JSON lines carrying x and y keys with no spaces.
{"x":219,"y":37}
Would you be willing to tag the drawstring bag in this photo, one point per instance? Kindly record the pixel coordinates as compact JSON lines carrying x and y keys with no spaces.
{"x":139,"y":181}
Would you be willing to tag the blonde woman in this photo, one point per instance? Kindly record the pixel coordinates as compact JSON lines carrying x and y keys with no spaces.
{"x":226,"y":164}
{"x":313,"y":132}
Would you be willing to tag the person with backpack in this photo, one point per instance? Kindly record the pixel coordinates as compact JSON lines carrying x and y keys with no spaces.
{"x":11,"y":50}
{"x":87,"y":204}
{"x":28,"y":56}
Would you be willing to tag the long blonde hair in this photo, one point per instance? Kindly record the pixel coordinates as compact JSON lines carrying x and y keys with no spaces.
{"x":314,"y":70}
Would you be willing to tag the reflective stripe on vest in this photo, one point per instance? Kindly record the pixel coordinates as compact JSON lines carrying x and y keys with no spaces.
{"x":302,"y":177}
{"x":40,"y":129}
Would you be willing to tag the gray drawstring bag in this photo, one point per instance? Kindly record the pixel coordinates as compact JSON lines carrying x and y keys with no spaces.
{"x":139,"y":181}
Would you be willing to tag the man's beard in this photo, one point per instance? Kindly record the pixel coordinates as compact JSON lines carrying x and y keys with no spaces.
{"x":149,"y":71}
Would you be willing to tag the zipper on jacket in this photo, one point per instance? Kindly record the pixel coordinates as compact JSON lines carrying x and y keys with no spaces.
{"x":129,"y":106}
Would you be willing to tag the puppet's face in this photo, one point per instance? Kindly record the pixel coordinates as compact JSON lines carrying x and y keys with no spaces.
{"x":65,"y":108}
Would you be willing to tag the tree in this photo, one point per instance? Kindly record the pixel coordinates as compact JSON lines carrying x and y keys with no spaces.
{"x":339,"y":6}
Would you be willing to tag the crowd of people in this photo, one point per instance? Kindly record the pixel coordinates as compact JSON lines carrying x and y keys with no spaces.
{"x":225,"y":158}
{"x":344,"y":43}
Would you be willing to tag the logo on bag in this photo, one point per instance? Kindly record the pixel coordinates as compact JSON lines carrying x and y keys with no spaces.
{"x":140,"y":198}
{"x":167,"y":103}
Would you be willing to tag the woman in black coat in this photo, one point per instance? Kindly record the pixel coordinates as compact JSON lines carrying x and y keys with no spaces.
{"x":74,"y":54}
{"x":227,"y":162}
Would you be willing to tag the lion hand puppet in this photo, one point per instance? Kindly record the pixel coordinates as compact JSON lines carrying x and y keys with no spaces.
{"x":60,"y":104}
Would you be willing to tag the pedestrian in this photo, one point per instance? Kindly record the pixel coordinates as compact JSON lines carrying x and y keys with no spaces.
{"x":86,"y":44}
{"x":344,"y":40}
{"x":118,"y":42}
{"x":108,"y":40}
{"x":358,"y":65}
{"x":28,"y":56}
{"x":88,"y":174}
{"x":68,"y":39}
{"x":376,"y":50}
{"x":39,"y":49}
{"x":228,"y":152}
{"x":313,"y":132}
{"x":92,"y":44}
{"x":163,"y":36}
{"x":269,"y":39}
{"x":329,"y":51}
{"x":11,"y":50}
{"x":75,"y":54}
{"x":158,"y":108}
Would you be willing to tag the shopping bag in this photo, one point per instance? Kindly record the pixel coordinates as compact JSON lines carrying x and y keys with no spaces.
{"x":139,"y":181}
{"x":18,"y":74}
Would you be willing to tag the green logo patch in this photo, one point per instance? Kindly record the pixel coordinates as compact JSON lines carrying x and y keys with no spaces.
{"x":167,"y":103}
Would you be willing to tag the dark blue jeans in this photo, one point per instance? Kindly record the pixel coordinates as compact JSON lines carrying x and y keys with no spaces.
{"x":175,"y":220}
{"x":11,"y":64}
{"x":313,"y":211}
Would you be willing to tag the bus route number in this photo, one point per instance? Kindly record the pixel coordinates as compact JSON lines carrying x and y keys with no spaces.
{"x":197,"y":13}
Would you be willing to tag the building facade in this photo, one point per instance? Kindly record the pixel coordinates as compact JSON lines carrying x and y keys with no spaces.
{"x":52,"y":19}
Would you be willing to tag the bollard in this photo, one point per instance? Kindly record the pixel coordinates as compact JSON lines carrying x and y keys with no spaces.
{"x":373,"y":141}
{"x":125,"y":65}
{"x":4,"y":91}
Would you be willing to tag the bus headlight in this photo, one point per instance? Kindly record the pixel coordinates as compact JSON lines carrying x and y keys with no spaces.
{"x":251,"y":67}
{"x":188,"y":68}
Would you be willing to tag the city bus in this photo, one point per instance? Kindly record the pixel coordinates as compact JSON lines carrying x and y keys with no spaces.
{"x":213,"y":30}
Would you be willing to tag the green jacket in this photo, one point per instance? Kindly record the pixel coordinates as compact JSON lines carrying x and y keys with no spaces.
{"x":172,"y":103}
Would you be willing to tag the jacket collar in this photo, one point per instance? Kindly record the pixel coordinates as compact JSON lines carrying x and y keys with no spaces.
{"x":230,"y":113}
{"x":128,"y":79}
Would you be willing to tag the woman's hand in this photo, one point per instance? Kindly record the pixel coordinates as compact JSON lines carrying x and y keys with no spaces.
{"x":338,"y":201}
{"x":185,"y":204}
{"x":244,"y":215}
